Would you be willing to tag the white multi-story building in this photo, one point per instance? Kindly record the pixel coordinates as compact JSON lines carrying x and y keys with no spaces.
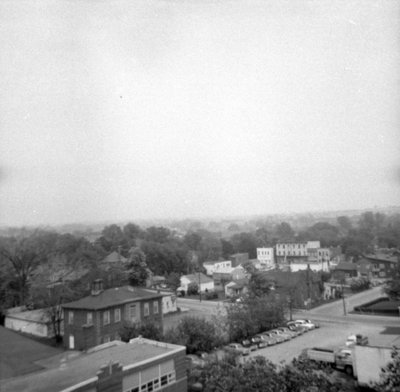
{"x":298,"y":249}
{"x":266,"y":258}
{"x":224,"y":266}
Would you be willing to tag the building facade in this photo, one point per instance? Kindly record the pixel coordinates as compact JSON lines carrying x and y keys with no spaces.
{"x":266,"y":258}
{"x":141,"y":365}
{"x":204,"y":282}
{"x":97,"y":319}
{"x":223,"y":266}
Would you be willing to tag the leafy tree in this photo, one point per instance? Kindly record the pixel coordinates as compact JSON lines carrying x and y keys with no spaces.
{"x":193,"y":289}
{"x":390,"y":375}
{"x":148,"y":330}
{"x":345,"y":224}
{"x":359,"y":284}
{"x":157,"y":234}
{"x":112,"y":238}
{"x":197,"y":334}
{"x":138,"y":271}
{"x":192,"y":240}
{"x":173,"y":280}
{"x":259,"y":374}
{"x":23,"y":254}
{"x":284,"y":232}
{"x":131,"y":233}
{"x":245,"y":243}
{"x":392,"y":287}
{"x":227,"y":248}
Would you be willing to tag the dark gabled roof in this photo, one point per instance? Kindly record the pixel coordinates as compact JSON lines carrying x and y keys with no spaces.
{"x":346,"y":266}
{"x":382,"y":257}
{"x":112,"y":297}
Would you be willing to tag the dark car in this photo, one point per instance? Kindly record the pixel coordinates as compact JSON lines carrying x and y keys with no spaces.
{"x":261,"y":343}
{"x":249,"y":344}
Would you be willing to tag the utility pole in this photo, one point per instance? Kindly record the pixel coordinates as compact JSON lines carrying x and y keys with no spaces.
{"x":200,"y":286}
{"x":344,"y":300}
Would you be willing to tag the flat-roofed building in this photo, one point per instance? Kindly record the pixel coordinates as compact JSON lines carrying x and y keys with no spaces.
{"x":266,"y":258}
{"x":141,"y":365}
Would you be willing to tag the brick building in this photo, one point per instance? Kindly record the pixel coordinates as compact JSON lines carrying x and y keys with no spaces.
{"x":141,"y":365}
{"x":96,"y":319}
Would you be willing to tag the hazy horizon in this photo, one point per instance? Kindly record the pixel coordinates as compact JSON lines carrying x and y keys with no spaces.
{"x":118,"y":110}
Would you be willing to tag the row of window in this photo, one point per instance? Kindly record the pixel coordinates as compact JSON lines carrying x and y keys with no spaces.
{"x":155,"y":384}
{"x":117,"y":314}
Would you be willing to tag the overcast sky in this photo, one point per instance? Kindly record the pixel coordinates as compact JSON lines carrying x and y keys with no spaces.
{"x":121,"y":110}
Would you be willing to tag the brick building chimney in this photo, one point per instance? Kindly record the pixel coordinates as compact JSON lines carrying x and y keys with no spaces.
{"x":97,"y":287}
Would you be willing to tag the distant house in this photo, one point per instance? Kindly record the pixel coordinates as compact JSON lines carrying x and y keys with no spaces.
{"x":237,"y":288}
{"x":97,"y":318}
{"x":345,"y":270}
{"x":114,"y":258}
{"x":238,"y":273}
{"x":217,"y":266}
{"x":382,"y":266}
{"x":168,"y":301}
{"x":34,"y":322}
{"x":204,"y":282}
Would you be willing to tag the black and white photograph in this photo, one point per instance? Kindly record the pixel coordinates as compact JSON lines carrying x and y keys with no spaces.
{"x":199,"y":195}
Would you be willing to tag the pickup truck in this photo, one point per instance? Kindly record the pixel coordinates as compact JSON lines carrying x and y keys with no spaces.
{"x":340,"y":359}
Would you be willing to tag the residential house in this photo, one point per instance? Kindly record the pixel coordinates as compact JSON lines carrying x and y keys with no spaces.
{"x":141,"y":365}
{"x":382,"y":265}
{"x":168,"y":301}
{"x":217,"y":266}
{"x":204,"y":282}
{"x":345,"y":270}
{"x":97,"y":318}
{"x":114,"y":258}
{"x":266,"y":258}
{"x":237,"y":288}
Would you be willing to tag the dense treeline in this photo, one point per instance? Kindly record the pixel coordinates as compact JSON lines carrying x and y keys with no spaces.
{"x":168,"y":252}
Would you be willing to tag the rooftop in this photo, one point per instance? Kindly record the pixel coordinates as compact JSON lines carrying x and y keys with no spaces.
{"x":382,"y":257}
{"x":84,"y":367}
{"x":346,"y":266}
{"x":198,"y":277}
{"x":112,"y":297}
{"x":114,"y":257}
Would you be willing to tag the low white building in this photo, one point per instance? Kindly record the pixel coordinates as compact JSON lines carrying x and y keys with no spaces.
{"x":203,"y":282}
{"x":224,"y":266}
{"x":34,"y":322}
{"x":266,"y":258}
{"x":168,"y":301}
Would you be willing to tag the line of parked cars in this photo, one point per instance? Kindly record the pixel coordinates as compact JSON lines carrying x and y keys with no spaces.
{"x":272,"y":337}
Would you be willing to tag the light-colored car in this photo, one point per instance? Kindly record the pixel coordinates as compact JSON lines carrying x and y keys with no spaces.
{"x":259,"y":341}
{"x":287,"y":331}
{"x":312,"y":322}
{"x":237,"y":348}
{"x":280,"y":333}
{"x":305,"y":324}
{"x":277,"y":338}
{"x":270,"y":340}
{"x":296,"y":328}
{"x":195,"y":361}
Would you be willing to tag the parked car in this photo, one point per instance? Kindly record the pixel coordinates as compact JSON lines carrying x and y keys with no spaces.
{"x":305,"y":324}
{"x":312,"y":322}
{"x":259,"y":341}
{"x":195,"y":361}
{"x":296,"y":328}
{"x":358,"y":339}
{"x":270,"y":340}
{"x":275,"y":337}
{"x":287,"y":331}
{"x":249,"y":344}
{"x":237,"y":348}
{"x":280,"y":333}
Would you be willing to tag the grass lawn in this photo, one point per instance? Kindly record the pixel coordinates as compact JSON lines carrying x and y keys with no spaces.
{"x":18,"y":354}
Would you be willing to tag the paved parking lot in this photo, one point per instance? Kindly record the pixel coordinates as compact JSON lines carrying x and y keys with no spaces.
{"x":332,"y":334}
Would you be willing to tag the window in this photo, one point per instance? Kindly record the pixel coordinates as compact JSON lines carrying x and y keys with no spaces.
{"x":117,"y":315}
{"x":155,"y":307}
{"x":89,"y":318}
{"x":146,"y":309}
{"x":132,"y":312}
{"x":106,"y":339}
{"x":70,"y":317}
{"x":106,"y":317}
